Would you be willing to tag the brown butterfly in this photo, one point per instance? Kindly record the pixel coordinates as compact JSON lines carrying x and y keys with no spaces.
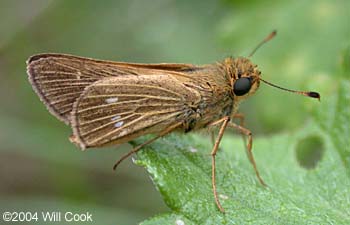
{"x":109,"y":103}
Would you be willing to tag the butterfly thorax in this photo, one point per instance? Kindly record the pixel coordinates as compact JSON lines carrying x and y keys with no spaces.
{"x":215,"y":84}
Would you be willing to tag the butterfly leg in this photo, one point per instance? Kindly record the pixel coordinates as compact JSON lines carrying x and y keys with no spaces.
{"x":248,"y":133}
{"x":224,"y":124}
{"x":240,"y":116}
{"x":138,"y":148}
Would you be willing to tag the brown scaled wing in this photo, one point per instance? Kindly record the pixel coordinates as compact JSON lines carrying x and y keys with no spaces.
{"x":110,"y":102}
{"x":119,"y":109}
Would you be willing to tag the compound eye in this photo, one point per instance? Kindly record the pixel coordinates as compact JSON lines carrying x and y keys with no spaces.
{"x":242,"y":86}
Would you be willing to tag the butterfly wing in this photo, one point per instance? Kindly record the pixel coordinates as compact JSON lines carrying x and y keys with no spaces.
{"x":118,"y":109}
{"x":60,"y":79}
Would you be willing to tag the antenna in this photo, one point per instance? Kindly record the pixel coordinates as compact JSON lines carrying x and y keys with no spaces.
{"x":305,"y":93}
{"x":268,"y":38}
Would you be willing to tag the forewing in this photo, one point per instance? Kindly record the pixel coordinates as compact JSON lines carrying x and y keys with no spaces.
{"x":117,"y":110}
{"x":60,"y":79}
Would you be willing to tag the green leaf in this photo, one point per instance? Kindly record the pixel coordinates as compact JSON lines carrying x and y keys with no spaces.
{"x":334,"y":118}
{"x":180,"y":166}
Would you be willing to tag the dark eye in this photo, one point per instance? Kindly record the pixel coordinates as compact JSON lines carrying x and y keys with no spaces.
{"x":242,"y":86}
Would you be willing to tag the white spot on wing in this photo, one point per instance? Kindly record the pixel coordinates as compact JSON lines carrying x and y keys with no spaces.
{"x":111,"y":100}
{"x":116,"y":117}
{"x":119,"y":124}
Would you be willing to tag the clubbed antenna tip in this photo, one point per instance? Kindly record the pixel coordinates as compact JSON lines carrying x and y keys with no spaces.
{"x":314,"y":95}
{"x":311,"y":94}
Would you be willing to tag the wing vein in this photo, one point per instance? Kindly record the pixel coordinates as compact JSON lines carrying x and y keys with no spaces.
{"x":103,"y":118}
{"x":141,"y":86}
{"x":65,"y":66}
{"x":106,"y":125}
{"x":133,"y":95}
{"x":57,"y":72}
{"x":107,"y":105}
{"x":76,"y":81}
{"x":131,"y":123}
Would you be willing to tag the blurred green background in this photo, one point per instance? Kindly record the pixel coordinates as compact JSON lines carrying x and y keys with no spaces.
{"x":40,"y":170}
